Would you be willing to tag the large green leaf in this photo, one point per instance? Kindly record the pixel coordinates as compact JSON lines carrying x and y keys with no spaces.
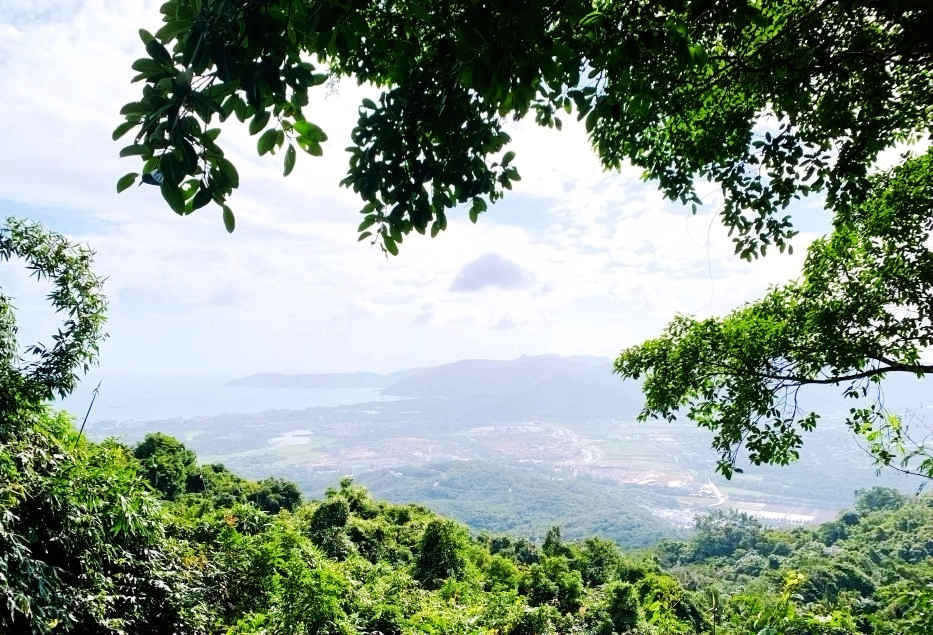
{"x":123,"y":128}
{"x":390,"y":245}
{"x":135,"y":149}
{"x":258,"y":122}
{"x":126,"y":181}
{"x":229,"y":220}
{"x":158,"y":52}
{"x":310,"y":131}
{"x":289,"y":160}
{"x":267,"y":141}
{"x":173,"y":196}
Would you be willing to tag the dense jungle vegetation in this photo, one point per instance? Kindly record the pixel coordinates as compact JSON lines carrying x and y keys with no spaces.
{"x":106,"y":538}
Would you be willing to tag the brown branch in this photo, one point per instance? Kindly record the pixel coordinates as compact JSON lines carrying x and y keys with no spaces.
{"x":893,"y":367}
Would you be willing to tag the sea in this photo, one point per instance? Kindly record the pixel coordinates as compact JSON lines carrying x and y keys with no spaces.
{"x":147,"y":397}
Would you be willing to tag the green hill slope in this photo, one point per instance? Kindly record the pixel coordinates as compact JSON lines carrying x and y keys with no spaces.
{"x":104,"y":538}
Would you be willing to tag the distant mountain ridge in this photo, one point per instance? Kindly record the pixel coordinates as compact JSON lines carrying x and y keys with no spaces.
{"x":445,"y":377}
{"x":549,"y":385}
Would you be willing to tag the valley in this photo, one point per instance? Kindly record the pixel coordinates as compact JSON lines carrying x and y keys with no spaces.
{"x":518,"y":446}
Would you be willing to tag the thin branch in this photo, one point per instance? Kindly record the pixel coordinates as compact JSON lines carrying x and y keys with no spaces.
{"x":919,"y":369}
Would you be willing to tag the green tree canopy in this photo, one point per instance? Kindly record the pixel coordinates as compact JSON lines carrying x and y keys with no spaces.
{"x":624,"y":607}
{"x":863,"y":309}
{"x":877,"y":498}
{"x":166,"y":463}
{"x":552,"y":581}
{"x":82,"y":541}
{"x":274,"y":494}
{"x":41,"y":370}
{"x":676,"y":87}
{"x":440,"y":553}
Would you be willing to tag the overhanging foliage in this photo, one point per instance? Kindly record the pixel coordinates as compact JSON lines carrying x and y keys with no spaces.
{"x":676,"y":87}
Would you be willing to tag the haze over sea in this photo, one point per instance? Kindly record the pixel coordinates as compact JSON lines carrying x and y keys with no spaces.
{"x":145,"y":397}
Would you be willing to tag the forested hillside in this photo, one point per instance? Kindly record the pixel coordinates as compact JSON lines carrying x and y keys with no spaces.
{"x":107,"y":538}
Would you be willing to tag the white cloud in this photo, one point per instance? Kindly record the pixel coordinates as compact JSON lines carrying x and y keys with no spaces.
{"x":609,"y":260}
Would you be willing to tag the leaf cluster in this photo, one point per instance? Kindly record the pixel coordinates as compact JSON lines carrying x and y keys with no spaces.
{"x":41,"y":370}
{"x":862,"y":310}
{"x":677,"y":88}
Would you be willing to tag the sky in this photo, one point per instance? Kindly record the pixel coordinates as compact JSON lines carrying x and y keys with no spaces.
{"x":575,"y":260}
